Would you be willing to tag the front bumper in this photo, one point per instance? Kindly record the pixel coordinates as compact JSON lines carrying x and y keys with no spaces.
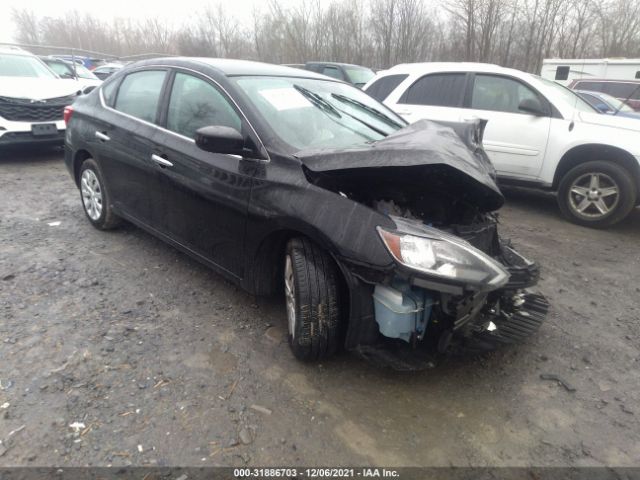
{"x":459,"y":322}
{"x":20,"y":133}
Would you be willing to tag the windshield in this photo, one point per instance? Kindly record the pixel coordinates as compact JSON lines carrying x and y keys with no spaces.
{"x":308,"y":113}
{"x":615,"y":103}
{"x":84,"y":72}
{"x":60,"y":68}
{"x":65,"y":69}
{"x":359,"y":76}
{"x":23,"y":66}
{"x":569,"y":96}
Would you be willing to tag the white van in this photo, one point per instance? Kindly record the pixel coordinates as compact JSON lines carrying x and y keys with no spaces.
{"x":564,"y":71}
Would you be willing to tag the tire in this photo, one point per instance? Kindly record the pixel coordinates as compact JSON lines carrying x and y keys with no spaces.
{"x":95,"y":198}
{"x":601,"y":207}
{"x":311,"y":293}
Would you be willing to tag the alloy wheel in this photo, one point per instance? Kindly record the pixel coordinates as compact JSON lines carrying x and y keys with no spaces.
{"x":593,"y":195}
{"x":91,"y":194}
{"x":290,"y":295}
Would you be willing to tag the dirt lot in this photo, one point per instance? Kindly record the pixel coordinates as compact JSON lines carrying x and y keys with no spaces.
{"x":156,"y":360}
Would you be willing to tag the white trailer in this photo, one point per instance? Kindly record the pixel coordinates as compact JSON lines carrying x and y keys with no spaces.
{"x":564,"y":71}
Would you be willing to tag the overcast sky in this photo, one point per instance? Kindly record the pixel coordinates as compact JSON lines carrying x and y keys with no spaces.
{"x":172,"y":10}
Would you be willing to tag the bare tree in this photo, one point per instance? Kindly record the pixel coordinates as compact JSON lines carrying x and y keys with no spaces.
{"x":380,"y":33}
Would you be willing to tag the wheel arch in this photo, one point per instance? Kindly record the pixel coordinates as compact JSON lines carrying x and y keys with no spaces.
{"x":79,"y":157}
{"x":267,"y":280}
{"x":595,"y":151}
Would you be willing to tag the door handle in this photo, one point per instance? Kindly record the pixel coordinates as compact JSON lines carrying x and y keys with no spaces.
{"x":102,"y":136}
{"x":163,"y":162}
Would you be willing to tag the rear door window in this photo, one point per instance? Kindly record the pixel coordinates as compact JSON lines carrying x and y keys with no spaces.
{"x":438,"y":89}
{"x":381,"y":88}
{"x":139,"y":94}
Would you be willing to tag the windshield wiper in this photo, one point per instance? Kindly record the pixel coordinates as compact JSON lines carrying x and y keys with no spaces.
{"x":318,"y":101}
{"x":377,"y":113}
{"x":626,"y":100}
{"x":325,"y":106}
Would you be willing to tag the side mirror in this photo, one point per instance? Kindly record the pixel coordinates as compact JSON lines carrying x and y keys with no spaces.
{"x":532,"y":106}
{"x":219,"y":139}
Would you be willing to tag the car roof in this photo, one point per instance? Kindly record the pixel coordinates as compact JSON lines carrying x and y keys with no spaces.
{"x":53,"y":59}
{"x":231,"y":67}
{"x":15,"y":51}
{"x":609,"y":80}
{"x":337,"y":64}
{"x":110,"y":65}
{"x":427,"y":67}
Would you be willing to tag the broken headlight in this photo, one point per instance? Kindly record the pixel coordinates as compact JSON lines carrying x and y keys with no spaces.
{"x":444,"y":256}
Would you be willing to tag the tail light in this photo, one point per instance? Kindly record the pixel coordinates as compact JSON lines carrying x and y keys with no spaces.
{"x":68,"y":112}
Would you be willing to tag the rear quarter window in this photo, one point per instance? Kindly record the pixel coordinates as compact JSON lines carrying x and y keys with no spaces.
{"x":562,"y":73}
{"x":109,"y":92}
{"x":437,"y":89}
{"x":382,"y":88}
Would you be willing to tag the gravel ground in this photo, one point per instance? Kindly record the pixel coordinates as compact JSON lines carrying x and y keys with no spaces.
{"x":115,"y":349}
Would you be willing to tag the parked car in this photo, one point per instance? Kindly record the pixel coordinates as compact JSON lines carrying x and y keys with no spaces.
{"x":607,"y":104}
{"x":626,"y":91}
{"x":32,"y":100}
{"x":105,"y":71}
{"x":353,"y":74}
{"x":539,"y":133}
{"x":80,"y":73}
{"x":279,"y":179}
{"x":87,"y":62}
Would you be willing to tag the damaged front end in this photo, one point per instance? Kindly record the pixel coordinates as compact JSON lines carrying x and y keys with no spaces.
{"x":455,"y":286}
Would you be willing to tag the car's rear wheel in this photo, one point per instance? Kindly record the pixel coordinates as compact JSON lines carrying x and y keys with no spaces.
{"x":597,"y":194}
{"x":95,"y":197}
{"x":311,"y":294}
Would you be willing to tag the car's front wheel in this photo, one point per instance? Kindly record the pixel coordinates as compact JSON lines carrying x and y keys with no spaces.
{"x":311,"y":294}
{"x":597,"y":194}
{"x":95,"y":198}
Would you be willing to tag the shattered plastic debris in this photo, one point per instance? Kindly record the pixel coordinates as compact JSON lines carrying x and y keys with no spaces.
{"x":6,"y":385}
{"x":4,"y":406}
{"x":261,"y":409}
{"x":54,"y":224}
{"x":140,"y":449}
{"x":13,"y":432}
{"x":77,"y":426}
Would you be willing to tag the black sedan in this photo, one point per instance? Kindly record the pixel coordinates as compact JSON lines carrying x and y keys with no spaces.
{"x":381,"y":235}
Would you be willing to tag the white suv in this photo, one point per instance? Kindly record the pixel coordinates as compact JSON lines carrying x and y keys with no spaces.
{"x":32,"y":100}
{"x":538,"y":133}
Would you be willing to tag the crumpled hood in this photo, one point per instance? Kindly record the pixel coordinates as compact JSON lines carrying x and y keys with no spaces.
{"x":614,"y":121}
{"x":37,"y":88}
{"x":420,"y":143}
